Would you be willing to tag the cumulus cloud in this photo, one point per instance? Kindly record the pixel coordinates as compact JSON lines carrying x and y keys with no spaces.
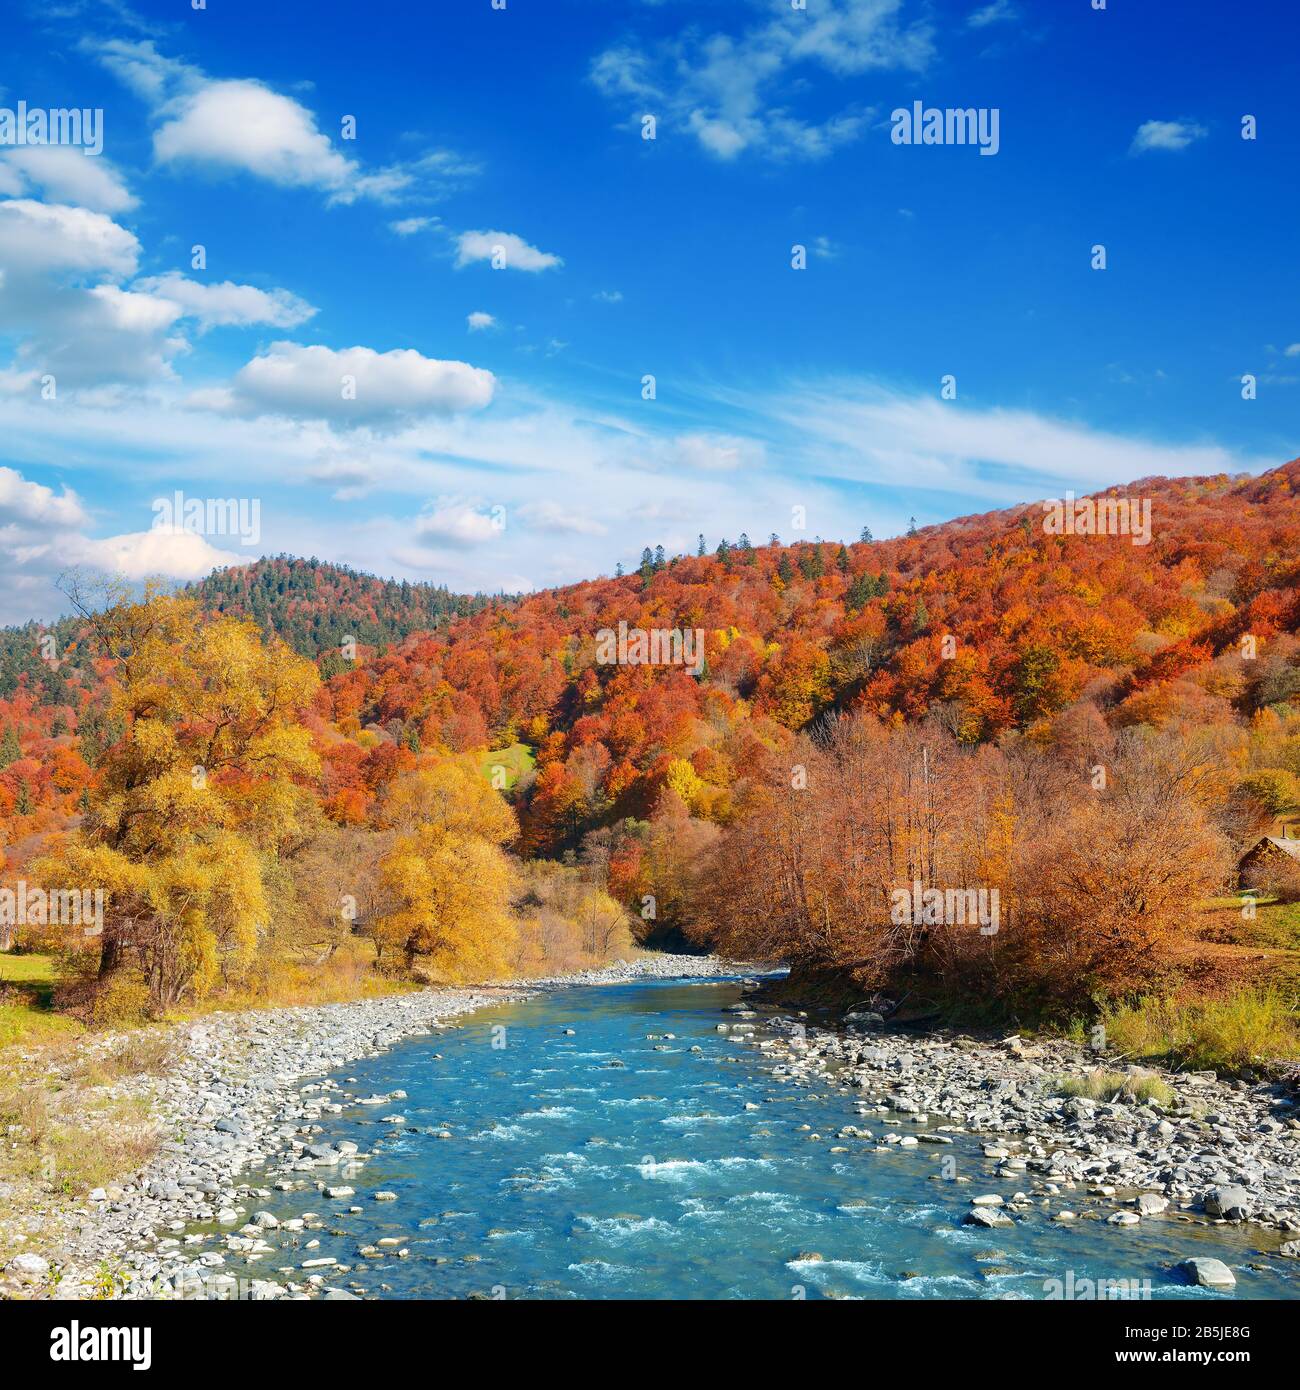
{"x":82,"y":335}
{"x":242,"y":125}
{"x":511,"y":251}
{"x":140,"y":554}
{"x":479,"y":320}
{"x":65,"y":175}
{"x":455,"y":524}
{"x":228,"y":304}
{"x":30,"y":504}
{"x":352,"y":386}
{"x":731,"y":90}
{"x":44,"y":533}
{"x":1166,"y":135}
{"x":53,"y":238}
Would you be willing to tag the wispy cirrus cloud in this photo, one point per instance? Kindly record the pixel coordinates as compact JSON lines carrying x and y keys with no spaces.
{"x":735,"y":92}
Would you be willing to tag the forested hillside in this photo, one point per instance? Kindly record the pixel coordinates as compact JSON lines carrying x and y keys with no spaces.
{"x":1094,"y":727}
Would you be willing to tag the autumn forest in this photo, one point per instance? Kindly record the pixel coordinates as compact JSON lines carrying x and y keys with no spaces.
{"x":292,"y":778}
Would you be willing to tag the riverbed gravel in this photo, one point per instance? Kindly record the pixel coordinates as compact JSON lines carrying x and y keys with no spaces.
{"x":1218,"y":1151}
{"x":238,"y":1099}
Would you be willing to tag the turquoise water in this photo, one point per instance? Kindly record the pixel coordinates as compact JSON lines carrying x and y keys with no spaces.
{"x":568,"y":1176}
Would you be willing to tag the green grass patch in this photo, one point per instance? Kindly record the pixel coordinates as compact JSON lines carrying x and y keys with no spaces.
{"x":513,"y":762}
{"x":27,"y":983}
{"x":1118,"y":1085}
{"x":1247,"y":1028}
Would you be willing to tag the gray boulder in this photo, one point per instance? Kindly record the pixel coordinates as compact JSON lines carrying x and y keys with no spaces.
{"x":1208,"y":1273}
{"x":1231,"y":1202}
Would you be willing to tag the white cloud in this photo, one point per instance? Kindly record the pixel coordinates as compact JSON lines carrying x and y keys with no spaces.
{"x":242,"y":125}
{"x":1293,"y":350}
{"x":608,"y":296}
{"x":857,"y":431}
{"x":27,"y":503}
{"x":714,"y":453}
{"x":1166,"y":135}
{"x":479,"y":320}
{"x":408,"y":226}
{"x":513,"y":251}
{"x":455,"y":524}
{"x":43,"y":534}
{"x":730,"y":90}
{"x":547,"y":515}
{"x":174,"y":554}
{"x":65,"y":175}
{"x":82,"y":336}
{"x":227,"y":304}
{"x":49,"y":237}
{"x":312,"y":383}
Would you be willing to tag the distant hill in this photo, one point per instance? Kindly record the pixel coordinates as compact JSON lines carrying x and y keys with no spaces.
{"x":314,"y":606}
{"x":310,"y":604}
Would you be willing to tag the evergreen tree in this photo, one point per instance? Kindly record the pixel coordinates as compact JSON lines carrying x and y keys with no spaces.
{"x":784,"y":568}
{"x":10,"y":752}
{"x":842,"y":561}
{"x":699,"y":550}
{"x":866,"y":534}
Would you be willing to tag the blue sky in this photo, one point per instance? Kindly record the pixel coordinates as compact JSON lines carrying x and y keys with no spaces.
{"x":497,"y":436}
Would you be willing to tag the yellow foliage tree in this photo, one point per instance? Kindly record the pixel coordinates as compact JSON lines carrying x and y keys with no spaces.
{"x":446,"y":884}
{"x":205,"y":786}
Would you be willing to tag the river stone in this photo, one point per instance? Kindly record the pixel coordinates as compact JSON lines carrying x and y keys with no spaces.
{"x":986,"y":1216}
{"x":1232,"y":1202}
{"x":1209,"y":1273}
{"x":1152,"y":1204}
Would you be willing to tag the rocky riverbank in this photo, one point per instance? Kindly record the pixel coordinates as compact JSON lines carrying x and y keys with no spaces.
{"x":236,"y":1098}
{"x":1210,"y":1151}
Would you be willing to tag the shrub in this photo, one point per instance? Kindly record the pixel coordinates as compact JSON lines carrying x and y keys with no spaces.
{"x":1229,"y":1034}
{"x":1117,"y":1085}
